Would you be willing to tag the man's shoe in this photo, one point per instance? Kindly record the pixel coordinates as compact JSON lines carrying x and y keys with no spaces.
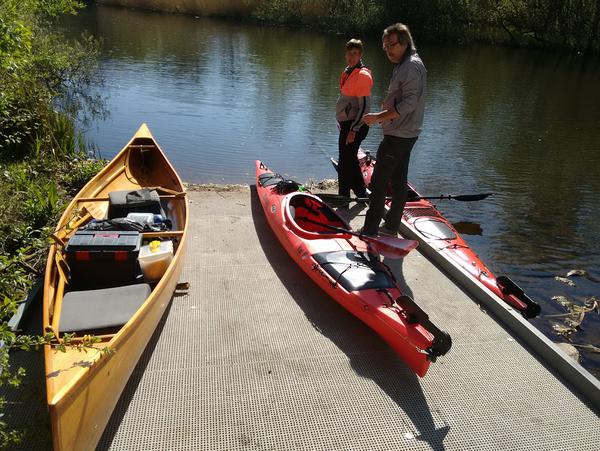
{"x":360,"y":232}
{"x":362,"y":196}
{"x":383,"y":230}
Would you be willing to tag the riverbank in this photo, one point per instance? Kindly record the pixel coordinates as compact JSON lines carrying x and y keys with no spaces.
{"x":44,"y":160}
{"x":519,"y":24}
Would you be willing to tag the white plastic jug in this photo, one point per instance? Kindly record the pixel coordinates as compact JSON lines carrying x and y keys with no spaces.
{"x":154,"y":259}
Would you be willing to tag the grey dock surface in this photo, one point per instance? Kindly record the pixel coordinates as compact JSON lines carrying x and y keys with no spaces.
{"x":257,"y":357}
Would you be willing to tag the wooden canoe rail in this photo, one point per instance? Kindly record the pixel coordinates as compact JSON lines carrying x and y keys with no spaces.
{"x":174,"y":233}
{"x":105,"y":199}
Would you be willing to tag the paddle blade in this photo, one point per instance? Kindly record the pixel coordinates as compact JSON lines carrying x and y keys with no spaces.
{"x":391,"y":247}
{"x":334,"y":200}
{"x":471,"y":197}
{"x":334,"y":162}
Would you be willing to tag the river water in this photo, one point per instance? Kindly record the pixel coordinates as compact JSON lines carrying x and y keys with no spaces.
{"x":523,"y":124}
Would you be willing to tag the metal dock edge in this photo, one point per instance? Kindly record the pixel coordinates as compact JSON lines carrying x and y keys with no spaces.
{"x":572,"y":371}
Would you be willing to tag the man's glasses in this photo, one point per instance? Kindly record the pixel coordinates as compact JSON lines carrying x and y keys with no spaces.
{"x":390,"y":46}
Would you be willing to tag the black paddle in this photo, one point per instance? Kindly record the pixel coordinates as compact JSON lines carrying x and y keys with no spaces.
{"x":388,"y":246}
{"x":336,"y":199}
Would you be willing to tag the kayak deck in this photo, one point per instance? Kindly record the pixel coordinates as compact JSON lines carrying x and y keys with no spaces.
{"x":256,"y":356}
{"x":422,"y":221}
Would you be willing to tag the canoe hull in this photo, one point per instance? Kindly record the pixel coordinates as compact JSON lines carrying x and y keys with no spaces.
{"x":79,"y":418}
{"x":83,"y":388}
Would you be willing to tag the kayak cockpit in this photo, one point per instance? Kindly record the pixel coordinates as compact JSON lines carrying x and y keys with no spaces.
{"x":311,"y":218}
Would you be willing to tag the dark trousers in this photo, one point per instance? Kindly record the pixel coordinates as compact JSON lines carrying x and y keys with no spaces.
{"x":392,"y":166}
{"x":349,"y":174}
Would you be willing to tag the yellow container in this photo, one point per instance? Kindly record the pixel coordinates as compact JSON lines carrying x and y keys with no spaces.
{"x":154,"y":259}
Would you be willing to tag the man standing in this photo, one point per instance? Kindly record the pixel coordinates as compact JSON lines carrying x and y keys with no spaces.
{"x":401,"y":119}
{"x":353,"y":102}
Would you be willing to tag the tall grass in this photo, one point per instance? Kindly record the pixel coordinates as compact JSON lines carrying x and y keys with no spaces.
{"x":44,"y":83}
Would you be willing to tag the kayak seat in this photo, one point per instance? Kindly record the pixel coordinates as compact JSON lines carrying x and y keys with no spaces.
{"x":353,"y":271}
{"x":94,"y":310}
{"x":302,"y":206}
{"x":145,"y":200}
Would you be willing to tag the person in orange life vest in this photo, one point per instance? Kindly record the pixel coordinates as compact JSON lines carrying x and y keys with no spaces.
{"x":353,"y":103}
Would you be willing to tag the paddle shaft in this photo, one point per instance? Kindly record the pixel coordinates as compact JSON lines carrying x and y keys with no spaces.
{"x":459,"y":197}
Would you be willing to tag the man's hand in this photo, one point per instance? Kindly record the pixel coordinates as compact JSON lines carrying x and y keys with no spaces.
{"x":371,"y":118}
{"x":351,"y":136}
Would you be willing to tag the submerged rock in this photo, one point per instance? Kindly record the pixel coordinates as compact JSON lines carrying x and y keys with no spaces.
{"x":570,"y":350}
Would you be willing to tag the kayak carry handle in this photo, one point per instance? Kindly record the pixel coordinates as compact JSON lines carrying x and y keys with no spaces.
{"x":509,"y":287}
{"x":442,"y":342}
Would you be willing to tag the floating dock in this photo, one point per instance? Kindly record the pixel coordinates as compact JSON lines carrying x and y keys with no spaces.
{"x":256,"y":357}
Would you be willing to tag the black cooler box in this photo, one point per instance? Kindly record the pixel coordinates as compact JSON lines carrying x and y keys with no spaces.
{"x":101,"y":259}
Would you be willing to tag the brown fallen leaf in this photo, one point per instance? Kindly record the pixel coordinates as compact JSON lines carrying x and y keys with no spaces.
{"x":589,"y":348}
{"x":563,"y":330}
{"x":562,"y":300}
{"x":592,"y":304}
{"x":565,"y":280}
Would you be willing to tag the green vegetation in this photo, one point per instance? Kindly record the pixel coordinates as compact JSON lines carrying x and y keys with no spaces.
{"x":44,"y":86}
{"x":563,"y":24}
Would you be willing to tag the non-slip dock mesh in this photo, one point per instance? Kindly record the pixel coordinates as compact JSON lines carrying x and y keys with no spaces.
{"x":256,"y":357}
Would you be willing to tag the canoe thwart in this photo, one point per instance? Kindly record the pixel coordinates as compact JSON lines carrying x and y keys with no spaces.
{"x":57,"y":239}
{"x":106,"y":199}
{"x":174,"y":233}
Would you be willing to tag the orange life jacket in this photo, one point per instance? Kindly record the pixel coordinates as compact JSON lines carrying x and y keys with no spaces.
{"x":356,"y":82}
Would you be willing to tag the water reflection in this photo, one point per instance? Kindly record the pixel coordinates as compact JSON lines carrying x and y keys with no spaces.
{"x":468,"y":228}
{"x":523,"y":124}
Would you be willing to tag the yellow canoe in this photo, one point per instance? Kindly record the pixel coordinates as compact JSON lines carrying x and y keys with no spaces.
{"x":84,"y":387}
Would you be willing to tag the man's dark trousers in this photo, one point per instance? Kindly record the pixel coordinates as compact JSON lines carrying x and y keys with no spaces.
{"x":392,"y":166}
{"x":349,"y":174}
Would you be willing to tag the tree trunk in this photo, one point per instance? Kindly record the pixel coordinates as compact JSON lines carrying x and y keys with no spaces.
{"x":595,"y":30}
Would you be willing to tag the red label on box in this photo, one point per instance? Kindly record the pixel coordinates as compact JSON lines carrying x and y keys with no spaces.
{"x":82,"y":256}
{"x":120,"y":256}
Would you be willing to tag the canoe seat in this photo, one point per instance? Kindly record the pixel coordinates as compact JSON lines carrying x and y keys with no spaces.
{"x":120,"y":203}
{"x":101,"y":309}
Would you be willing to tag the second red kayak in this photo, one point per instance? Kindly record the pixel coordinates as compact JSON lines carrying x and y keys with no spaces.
{"x":349,"y":269}
{"x":439,"y":240}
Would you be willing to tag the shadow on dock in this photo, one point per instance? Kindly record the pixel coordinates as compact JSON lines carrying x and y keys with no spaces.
{"x":134,"y":380}
{"x":369,"y":356}
{"x":26,"y":410}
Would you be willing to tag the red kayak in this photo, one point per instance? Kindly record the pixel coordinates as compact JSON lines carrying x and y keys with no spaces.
{"x":437,"y":238}
{"x":349,"y":269}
